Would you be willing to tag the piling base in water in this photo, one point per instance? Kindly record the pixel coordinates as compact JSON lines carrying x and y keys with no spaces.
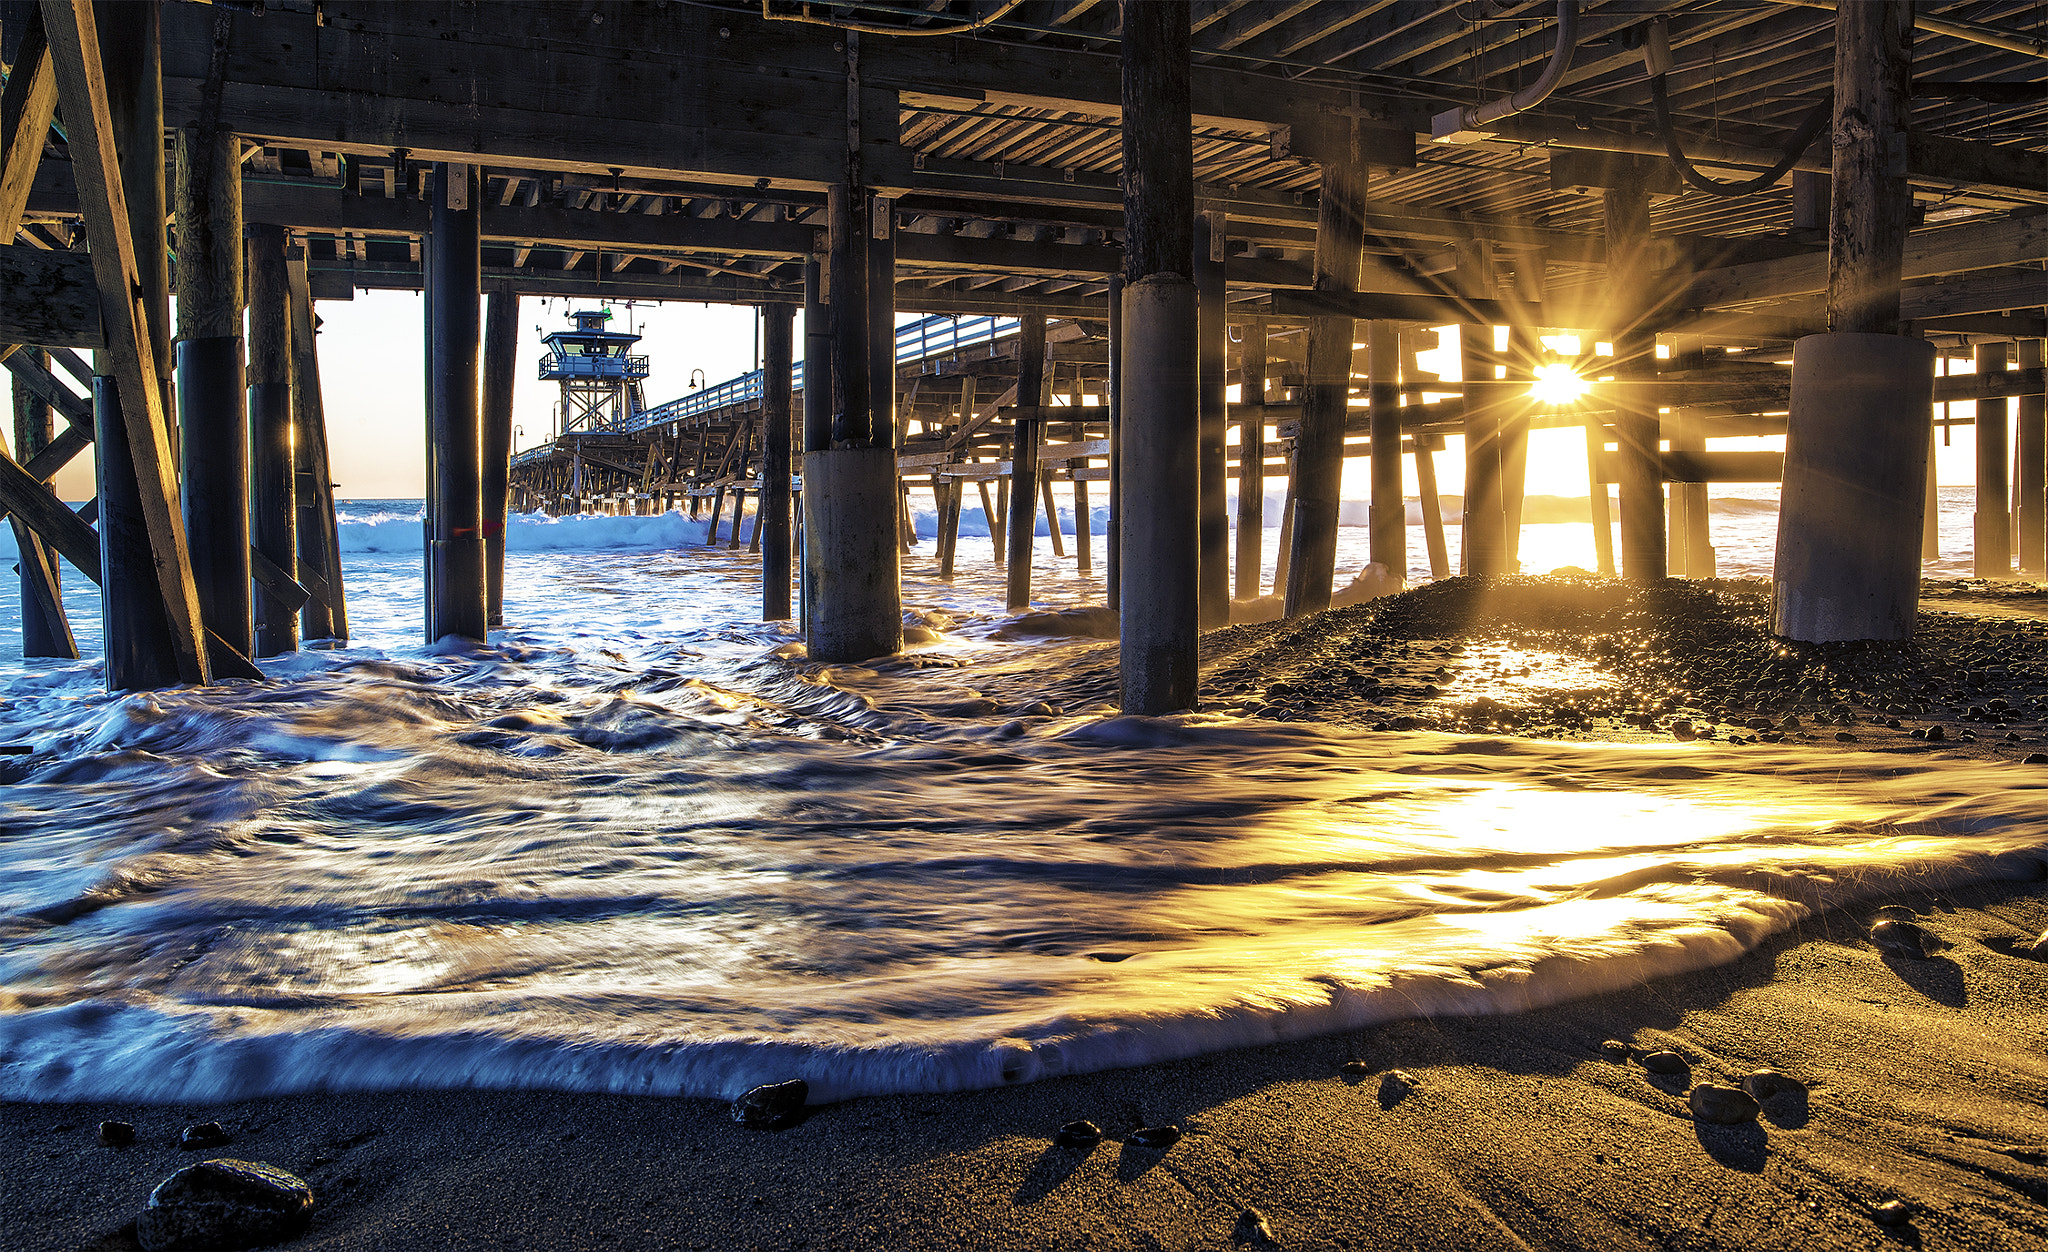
{"x":1849,"y":515}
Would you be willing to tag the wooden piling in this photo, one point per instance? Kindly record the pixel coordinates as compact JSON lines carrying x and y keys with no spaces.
{"x":1113,"y":573}
{"x":324,"y":615}
{"x":817,"y":429}
{"x":213,"y":413}
{"x":1024,"y":460}
{"x":1212,"y":359}
{"x":455,"y":554}
{"x":851,"y":498}
{"x":1432,"y":511}
{"x":273,"y":497}
{"x":501,"y":358}
{"x":1484,"y":532}
{"x":777,"y":348}
{"x":1596,"y":493}
{"x":1251,"y":460}
{"x":1992,"y":530}
{"x":1849,"y":519}
{"x":2032,"y":479}
{"x":1317,"y":479}
{"x":45,"y":629}
{"x":139,"y":647}
{"x":1639,"y":474}
{"x":1159,"y":576}
{"x":1388,"y":536}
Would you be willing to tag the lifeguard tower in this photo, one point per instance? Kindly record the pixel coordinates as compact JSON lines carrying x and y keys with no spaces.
{"x":599,"y":375}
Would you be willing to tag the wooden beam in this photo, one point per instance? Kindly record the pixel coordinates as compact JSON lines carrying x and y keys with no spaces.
{"x":48,"y":298}
{"x":24,"y":496}
{"x":26,"y":106}
{"x":77,"y":410}
{"x":1978,"y":245}
{"x":1709,"y":467}
{"x":81,"y":79}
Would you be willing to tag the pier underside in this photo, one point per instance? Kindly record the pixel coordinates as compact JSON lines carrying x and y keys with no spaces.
{"x":1640,"y":196}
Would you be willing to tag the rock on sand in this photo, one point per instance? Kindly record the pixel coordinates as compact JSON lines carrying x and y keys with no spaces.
{"x":224,"y":1204}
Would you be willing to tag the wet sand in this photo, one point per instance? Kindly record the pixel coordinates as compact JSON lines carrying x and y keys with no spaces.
{"x":1928,"y":1080}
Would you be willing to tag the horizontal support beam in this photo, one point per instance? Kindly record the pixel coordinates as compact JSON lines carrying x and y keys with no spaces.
{"x":1708,"y":467}
{"x":48,"y":298}
{"x":1993,"y":244}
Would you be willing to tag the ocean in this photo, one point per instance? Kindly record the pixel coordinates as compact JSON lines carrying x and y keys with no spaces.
{"x":636,"y":844}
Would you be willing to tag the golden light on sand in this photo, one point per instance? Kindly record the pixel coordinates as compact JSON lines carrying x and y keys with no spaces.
{"x":1557,"y":385}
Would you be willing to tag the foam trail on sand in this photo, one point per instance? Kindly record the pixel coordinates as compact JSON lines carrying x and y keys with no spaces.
{"x":693,"y":869}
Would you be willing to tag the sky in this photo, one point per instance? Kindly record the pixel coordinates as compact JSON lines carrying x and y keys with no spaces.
{"x":371,"y":379}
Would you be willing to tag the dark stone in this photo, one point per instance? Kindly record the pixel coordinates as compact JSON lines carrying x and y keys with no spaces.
{"x":1355,"y":1071}
{"x":1682,"y":729}
{"x":1665,"y":1062}
{"x":1395,"y":1086}
{"x":1078,"y":1135}
{"x":224,"y":1204}
{"x":1615,"y":1050}
{"x":1251,"y":1228}
{"x":1902,"y":939}
{"x":1936,"y":734}
{"x":1843,"y":736}
{"x":1893,"y":1213}
{"x":1724,"y":1106}
{"x":203,"y":1135}
{"x":1158,"y":1138}
{"x":1762,"y":1084}
{"x":2036,"y":758}
{"x":771,"y":1105}
{"x":116,"y":1134}
{"x":1894,"y":913}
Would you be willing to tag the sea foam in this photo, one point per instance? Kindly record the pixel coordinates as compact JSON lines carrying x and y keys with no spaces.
{"x":689,"y":871}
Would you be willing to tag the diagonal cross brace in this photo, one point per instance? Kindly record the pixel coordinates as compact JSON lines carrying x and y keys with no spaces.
{"x":82,"y":91}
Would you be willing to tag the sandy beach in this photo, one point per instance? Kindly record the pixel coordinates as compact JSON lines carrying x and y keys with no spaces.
{"x":1926,"y":1084}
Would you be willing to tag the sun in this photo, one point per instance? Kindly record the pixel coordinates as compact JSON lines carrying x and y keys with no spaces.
{"x":1556,"y":385}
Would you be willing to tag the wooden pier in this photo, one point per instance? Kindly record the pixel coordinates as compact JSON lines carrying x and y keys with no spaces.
{"x":1329,"y":181}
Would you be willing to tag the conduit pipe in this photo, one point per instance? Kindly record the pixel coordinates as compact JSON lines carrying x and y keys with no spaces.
{"x":1468,"y":123}
{"x":1974,"y":32}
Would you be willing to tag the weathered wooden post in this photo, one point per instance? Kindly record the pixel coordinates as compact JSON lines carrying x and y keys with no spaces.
{"x":273,"y":495}
{"x":1855,"y":448}
{"x":325,"y":612}
{"x":1212,"y":299}
{"x":1317,"y":477}
{"x":1251,"y":459}
{"x":2033,"y":472}
{"x":1025,"y":439}
{"x":501,"y":358}
{"x":455,"y":552}
{"x":1158,"y":600}
{"x":1113,"y":575}
{"x":139,"y":647}
{"x":850,"y":498}
{"x":1487,"y":401}
{"x":776,"y":350}
{"x":1596,"y":492}
{"x":45,"y":630}
{"x":1638,"y":465}
{"x":213,"y":410}
{"x":1432,"y":508}
{"x":1992,"y":528}
{"x":1388,"y":537}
